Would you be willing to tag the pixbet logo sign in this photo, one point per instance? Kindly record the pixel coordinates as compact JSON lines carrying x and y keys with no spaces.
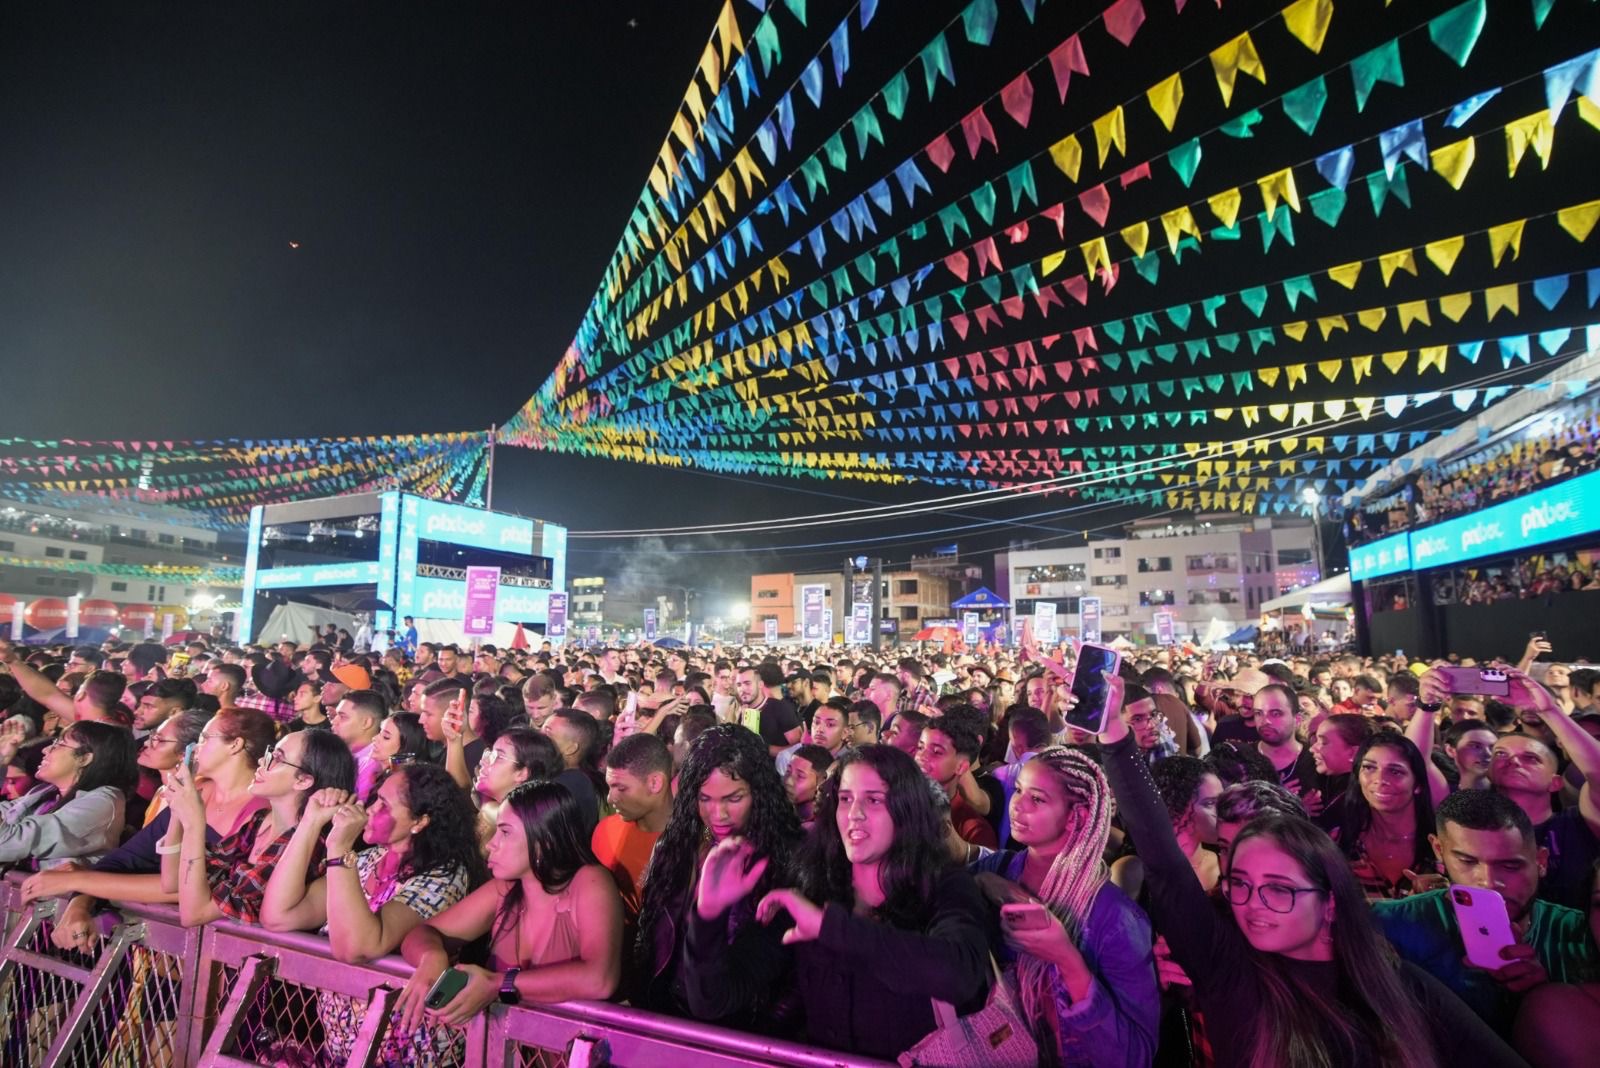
{"x":1547,"y":515}
{"x":449,"y":524}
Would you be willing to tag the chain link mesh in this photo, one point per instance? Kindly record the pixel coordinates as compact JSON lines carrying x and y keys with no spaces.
{"x":279,"y":1027}
{"x":34,"y":1003}
{"x":539,"y":1057}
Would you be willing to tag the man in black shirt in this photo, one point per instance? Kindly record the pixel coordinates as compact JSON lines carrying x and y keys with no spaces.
{"x":763,"y":708}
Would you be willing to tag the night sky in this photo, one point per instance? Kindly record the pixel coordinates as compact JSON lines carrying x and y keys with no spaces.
{"x":456,"y":178}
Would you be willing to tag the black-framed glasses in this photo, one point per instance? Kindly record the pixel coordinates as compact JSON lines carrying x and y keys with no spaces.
{"x":60,"y":743}
{"x":1277,"y":897}
{"x":274,"y":756}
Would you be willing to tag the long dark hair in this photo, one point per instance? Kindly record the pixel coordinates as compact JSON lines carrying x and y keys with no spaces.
{"x":116,"y":757}
{"x":557,"y":846}
{"x":916,"y":859}
{"x":328,"y":761}
{"x":450,"y":838}
{"x":413,"y":739}
{"x":1358,"y":814}
{"x":773,"y":828}
{"x":1296,"y":1026}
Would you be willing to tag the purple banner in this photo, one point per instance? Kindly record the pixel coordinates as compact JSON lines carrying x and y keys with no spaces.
{"x":556,"y":621}
{"x":1164,"y":629}
{"x":483,"y":586}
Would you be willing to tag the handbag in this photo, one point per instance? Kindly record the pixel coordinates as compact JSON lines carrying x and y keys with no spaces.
{"x":996,"y":1036}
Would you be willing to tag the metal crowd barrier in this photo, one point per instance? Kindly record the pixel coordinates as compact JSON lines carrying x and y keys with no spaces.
{"x":154,"y":994}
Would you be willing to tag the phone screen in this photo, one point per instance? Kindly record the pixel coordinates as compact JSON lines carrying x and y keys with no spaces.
{"x":1089,"y":687}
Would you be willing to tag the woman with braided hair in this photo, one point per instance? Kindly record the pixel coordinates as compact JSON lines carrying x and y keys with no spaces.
{"x":1083,"y":964}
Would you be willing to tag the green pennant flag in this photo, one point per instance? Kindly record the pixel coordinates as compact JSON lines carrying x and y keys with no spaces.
{"x":865,"y":124}
{"x":1379,"y":187}
{"x":1118,"y":393}
{"x":983,"y":199}
{"x":1254,"y":298}
{"x":1019,"y":180}
{"x":1138,"y":358}
{"x":797,"y":8}
{"x":1179,"y":315}
{"x":1541,"y":11}
{"x":978,"y":20}
{"x":1382,"y":64}
{"x":1145,"y":322}
{"x":1327,"y":205}
{"x":1209,"y":307}
{"x":936,"y":63}
{"x":1228,"y":233}
{"x":1112,"y":360}
{"x":1456,"y":31}
{"x":1278,"y":223}
{"x":991,"y":288}
{"x":1185,"y":160}
{"x":894,"y":96}
{"x":1295,"y":288}
{"x":767,"y":49}
{"x":816,"y":177}
{"x":1167,"y":353}
{"x":1304,"y":105}
{"x":1186,"y":243}
{"x":833,"y":147}
{"x":1244,"y":125}
{"x":1148,"y":266}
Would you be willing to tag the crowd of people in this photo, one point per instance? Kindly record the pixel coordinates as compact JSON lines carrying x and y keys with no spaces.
{"x":1252,"y":861}
{"x":1500,"y":472}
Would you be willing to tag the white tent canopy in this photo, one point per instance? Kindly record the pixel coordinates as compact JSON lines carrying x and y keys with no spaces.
{"x":1335,"y":590}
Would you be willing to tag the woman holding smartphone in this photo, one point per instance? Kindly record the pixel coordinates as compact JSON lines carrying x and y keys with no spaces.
{"x":1294,"y":974}
{"x":882,"y":922}
{"x":1080,"y":949}
{"x":551,"y":911}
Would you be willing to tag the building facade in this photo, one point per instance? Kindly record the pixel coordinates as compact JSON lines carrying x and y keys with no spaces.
{"x":1214,"y":567}
{"x":908,"y":598}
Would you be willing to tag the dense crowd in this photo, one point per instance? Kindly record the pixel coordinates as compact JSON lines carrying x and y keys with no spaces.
{"x":1256,"y":861}
{"x":1527,"y":579}
{"x":1470,"y":484}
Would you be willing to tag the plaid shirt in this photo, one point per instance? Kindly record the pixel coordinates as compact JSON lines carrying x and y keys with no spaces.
{"x":911,"y":700}
{"x":239,"y":883}
{"x":404,"y":674}
{"x":280,"y":711}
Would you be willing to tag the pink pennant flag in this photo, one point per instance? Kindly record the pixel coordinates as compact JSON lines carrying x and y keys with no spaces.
{"x":982,"y":382}
{"x":1012,"y":306}
{"x":1003,"y":380}
{"x":1036,"y":378}
{"x":1025,"y":354}
{"x":1135,"y":174}
{"x":1123,"y":20}
{"x":941,"y":152}
{"x":1091,"y":397}
{"x":1088,"y":365}
{"x":1084,"y":337}
{"x":956,"y":262}
{"x":987,"y":255}
{"x":1001,"y":355}
{"x":975,"y":363}
{"x":1108,"y":276}
{"x":977,"y":129}
{"x":1017,"y":99}
{"x":1077,"y":287}
{"x":1073,"y":398}
{"x":1063,"y":369}
{"x":1067,"y":60}
{"x":953,"y":365}
{"x":986,"y":317}
{"x":1056,"y":213}
{"x":1045,"y":298}
{"x":1017,"y":233}
{"x":1096,"y":203}
{"x":959,"y":321}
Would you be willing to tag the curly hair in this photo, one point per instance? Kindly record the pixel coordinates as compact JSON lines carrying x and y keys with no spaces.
{"x":1178,"y":781}
{"x":1235,"y":762}
{"x":450,"y":838}
{"x":773,"y":828}
{"x":916,"y":858}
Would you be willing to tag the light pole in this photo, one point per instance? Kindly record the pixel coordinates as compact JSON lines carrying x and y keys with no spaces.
{"x":1314,"y":500}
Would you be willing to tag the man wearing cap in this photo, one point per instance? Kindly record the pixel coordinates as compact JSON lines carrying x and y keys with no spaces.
{"x":274,"y":684}
{"x":346,"y":677}
{"x":1242,"y":727}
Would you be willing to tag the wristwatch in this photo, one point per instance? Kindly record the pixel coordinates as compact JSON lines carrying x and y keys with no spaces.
{"x":1428,"y":706}
{"x":344,"y":860}
{"x":508,"y":988}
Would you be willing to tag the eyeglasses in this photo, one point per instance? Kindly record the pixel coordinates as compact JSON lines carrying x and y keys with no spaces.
{"x":494,"y":756}
{"x":156,"y":739}
{"x":1277,"y":897}
{"x":274,"y":756}
{"x":59,"y":744}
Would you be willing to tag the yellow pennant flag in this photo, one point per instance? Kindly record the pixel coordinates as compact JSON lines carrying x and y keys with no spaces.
{"x":747,"y":169}
{"x":1225,"y":206}
{"x":1346,"y":274}
{"x":1237,"y":57}
{"x":1329,"y":323}
{"x":1178,"y":221}
{"x":1403,"y":260}
{"x":1442,"y":253}
{"x":1497,"y":297}
{"x":1296,"y":330}
{"x":1137,"y":237}
{"x":1396,"y":360}
{"x":1296,"y":373}
{"x":1067,"y":155}
{"x":1049,"y":264}
{"x":1372,"y":318}
{"x":1279,"y":412}
{"x":1432,"y":356}
{"x":1453,"y":161}
{"x":1536,"y":131}
{"x":727,"y":33}
{"x":1110,"y":129}
{"x":1095,"y":255}
{"x":1165,"y":97}
{"x":1308,"y":21}
{"x":1279,"y":185}
{"x":1455,"y":306}
{"x":1506,"y":236}
{"x":1414,"y":311}
{"x":1269,"y":375}
{"x":1579,"y":219}
{"x":1329,"y":369}
{"x":1364,"y":405}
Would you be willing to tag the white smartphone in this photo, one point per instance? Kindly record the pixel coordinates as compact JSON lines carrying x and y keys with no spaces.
{"x":1485,"y":925}
{"x":1024,"y":916}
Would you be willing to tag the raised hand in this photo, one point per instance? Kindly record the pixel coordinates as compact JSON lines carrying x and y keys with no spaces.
{"x":807,"y":916}
{"x":728,"y":875}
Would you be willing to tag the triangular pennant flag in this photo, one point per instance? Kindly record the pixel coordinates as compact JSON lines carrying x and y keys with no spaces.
{"x":1506,"y":236}
{"x":1382,"y":64}
{"x":1304,"y":105}
{"x":1308,"y":21}
{"x":1109,"y":130}
{"x":1123,"y":19}
{"x":1237,"y":57}
{"x":1579,"y":220}
{"x":1536,"y":131}
{"x":1225,"y":206}
{"x":1453,"y":161}
{"x":1403,"y":141}
{"x":1500,"y":297}
{"x":1442,"y":253}
{"x":1065,"y":61}
{"x":1185,"y":160}
{"x":1456,"y":31}
{"x":1017,"y":99}
{"x":1165,"y":98}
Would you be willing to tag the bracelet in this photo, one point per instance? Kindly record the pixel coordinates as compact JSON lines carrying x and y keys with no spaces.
{"x":166,"y":850}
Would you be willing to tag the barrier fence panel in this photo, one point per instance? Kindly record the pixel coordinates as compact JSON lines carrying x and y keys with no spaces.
{"x":153,"y":994}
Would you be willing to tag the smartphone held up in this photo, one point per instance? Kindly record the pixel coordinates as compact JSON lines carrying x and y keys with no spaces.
{"x":1090,"y":677}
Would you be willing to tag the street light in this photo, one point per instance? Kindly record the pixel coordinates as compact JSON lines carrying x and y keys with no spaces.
{"x":1313,"y":500}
